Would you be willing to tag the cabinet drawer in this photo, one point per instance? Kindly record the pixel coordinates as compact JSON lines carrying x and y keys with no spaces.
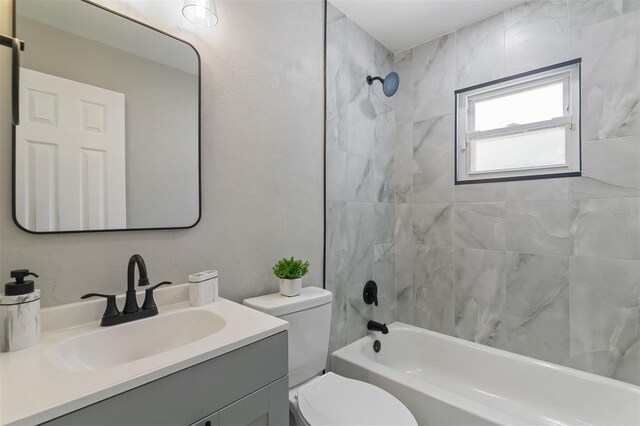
{"x":251,"y":410}
{"x":268,"y":406}
{"x":211,"y":420}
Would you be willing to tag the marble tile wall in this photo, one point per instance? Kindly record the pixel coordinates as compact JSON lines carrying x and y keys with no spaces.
{"x":360,"y":174}
{"x":546,"y":268}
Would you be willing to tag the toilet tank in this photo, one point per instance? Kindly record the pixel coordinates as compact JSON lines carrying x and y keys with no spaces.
{"x":309,"y":317}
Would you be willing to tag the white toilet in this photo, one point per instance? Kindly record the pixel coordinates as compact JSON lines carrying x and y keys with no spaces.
{"x":329,"y":399}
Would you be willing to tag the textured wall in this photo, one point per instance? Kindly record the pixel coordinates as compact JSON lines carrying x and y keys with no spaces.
{"x":547,"y":268}
{"x":360,"y":181}
{"x":262,"y":161}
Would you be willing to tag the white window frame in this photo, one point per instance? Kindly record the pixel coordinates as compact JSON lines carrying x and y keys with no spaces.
{"x":569,"y":74}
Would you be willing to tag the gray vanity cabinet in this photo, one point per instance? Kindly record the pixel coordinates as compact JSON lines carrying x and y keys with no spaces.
{"x":248,"y":386}
{"x":263,"y":407}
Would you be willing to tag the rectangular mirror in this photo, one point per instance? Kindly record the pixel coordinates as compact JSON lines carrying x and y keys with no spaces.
{"x":109,"y":131}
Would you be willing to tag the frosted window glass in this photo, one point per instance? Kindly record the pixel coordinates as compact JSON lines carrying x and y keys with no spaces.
{"x":536,"y":104}
{"x":532,"y":149}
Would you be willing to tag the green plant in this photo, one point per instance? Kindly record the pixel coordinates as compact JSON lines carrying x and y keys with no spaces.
{"x":290,"y":269}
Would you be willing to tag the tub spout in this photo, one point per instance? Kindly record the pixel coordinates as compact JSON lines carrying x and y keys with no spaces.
{"x":376,"y":326}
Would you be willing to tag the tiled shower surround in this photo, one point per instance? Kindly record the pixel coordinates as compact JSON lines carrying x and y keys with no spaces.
{"x":360,"y":165}
{"x":545,"y":268}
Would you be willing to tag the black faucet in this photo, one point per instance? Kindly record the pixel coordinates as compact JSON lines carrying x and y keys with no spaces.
{"x":131,"y":302}
{"x":132,"y":311}
{"x":376,"y":326}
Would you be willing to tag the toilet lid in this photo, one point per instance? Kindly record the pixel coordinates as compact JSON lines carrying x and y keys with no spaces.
{"x":336,"y":400}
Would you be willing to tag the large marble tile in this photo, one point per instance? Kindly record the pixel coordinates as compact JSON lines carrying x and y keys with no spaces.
{"x":336,"y":175}
{"x":336,"y":283}
{"x":434,"y":57}
{"x":610,"y":54}
{"x":433,"y":96}
{"x":587,"y":12}
{"x":360,"y":185}
{"x":610,"y":169}
{"x":628,"y":367}
{"x":480,"y":225}
{"x":538,"y":189}
{"x":433,"y":278}
{"x":385,"y":222}
{"x":359,"y":313}
{"x":605,"y":301}
{"x":382,"y":65}
{"x":433,"y":160}
{"x":336,"y":225}
{"x":360,"y":47}
{"x":433,"y":224}
{"x":537,"y":306}
{"x":336,"y":28}
{"x":607,"y":228}
{"x":384,"y":264}
{"x":384,"y":158}
{"x":404,"y":95}
{"x":480,"y":296}
{"x":404,"y":56}
{"x":360,"y":240}
{"x":404,"y":263}
{"x":385,"y":134}
{"x":384,"y":178}
{"x":480,"y":52}
{"x":404,"y":225}
{"x":535,"y":35}
{"x":361,"y":112}
{"x":496,"y":191}
{"x":542,"y":227}
{"x":404,"y":287}
{"x":337,"y":89}
{"x":629,"y":6}
{"x":383,"y":59}
{"x":404,"y":163}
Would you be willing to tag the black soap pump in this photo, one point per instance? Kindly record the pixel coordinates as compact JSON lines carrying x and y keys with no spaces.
{"x":19,"y":313}
{"x":20,"y":286}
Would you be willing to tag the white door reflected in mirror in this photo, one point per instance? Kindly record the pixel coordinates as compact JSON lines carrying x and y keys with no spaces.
{"x":70,"y":155}
{"x":110,"y":132}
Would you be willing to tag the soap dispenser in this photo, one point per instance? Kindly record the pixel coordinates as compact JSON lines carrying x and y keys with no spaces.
{"x":19,"y":313}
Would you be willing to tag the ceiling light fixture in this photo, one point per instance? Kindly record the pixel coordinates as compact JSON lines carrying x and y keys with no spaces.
{"x":200,"y":12}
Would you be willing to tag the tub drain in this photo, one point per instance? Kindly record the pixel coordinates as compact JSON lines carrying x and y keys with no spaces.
{"x":376,"y":346}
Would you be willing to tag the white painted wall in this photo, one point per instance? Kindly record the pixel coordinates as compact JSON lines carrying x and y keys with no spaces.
{"x":262,"y":161}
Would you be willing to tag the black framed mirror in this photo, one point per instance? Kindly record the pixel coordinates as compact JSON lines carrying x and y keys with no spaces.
{"x":108,"y":137}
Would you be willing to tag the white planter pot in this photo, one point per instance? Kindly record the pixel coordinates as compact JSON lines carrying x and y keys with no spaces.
{"x":290,"y":288}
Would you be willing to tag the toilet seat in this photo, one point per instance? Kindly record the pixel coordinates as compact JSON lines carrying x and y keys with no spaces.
{"x":336,"y":400}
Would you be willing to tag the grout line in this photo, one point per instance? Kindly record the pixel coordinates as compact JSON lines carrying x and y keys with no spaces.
{"x":530,"y":253}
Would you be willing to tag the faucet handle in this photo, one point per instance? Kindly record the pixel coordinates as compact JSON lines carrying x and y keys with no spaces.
{"x":370,"y":293}
{"x":149,"y":302}
{"x":112,"y":308}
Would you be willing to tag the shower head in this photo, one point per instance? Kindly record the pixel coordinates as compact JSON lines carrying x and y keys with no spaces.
{"x":389,"y":84}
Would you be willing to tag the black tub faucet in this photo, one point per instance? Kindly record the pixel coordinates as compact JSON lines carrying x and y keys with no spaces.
{"x":376,"y":326}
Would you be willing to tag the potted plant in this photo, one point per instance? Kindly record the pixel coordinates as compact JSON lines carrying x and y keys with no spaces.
{"x":290,"y":272}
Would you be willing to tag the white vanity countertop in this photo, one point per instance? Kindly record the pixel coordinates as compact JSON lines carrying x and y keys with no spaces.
{"x":33,"y":390}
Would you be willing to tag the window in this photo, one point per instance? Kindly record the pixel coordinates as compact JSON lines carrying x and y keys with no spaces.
{"x":521,"y":127}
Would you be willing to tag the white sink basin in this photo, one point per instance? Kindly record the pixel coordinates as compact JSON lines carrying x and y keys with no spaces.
{"x":120,"y":344}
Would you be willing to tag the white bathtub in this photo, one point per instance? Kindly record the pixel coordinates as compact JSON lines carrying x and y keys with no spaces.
{"x":448,"y":381}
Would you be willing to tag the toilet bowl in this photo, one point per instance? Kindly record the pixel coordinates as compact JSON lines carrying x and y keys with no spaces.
{"x":327,"y":399}
{"x":335,"y":400}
